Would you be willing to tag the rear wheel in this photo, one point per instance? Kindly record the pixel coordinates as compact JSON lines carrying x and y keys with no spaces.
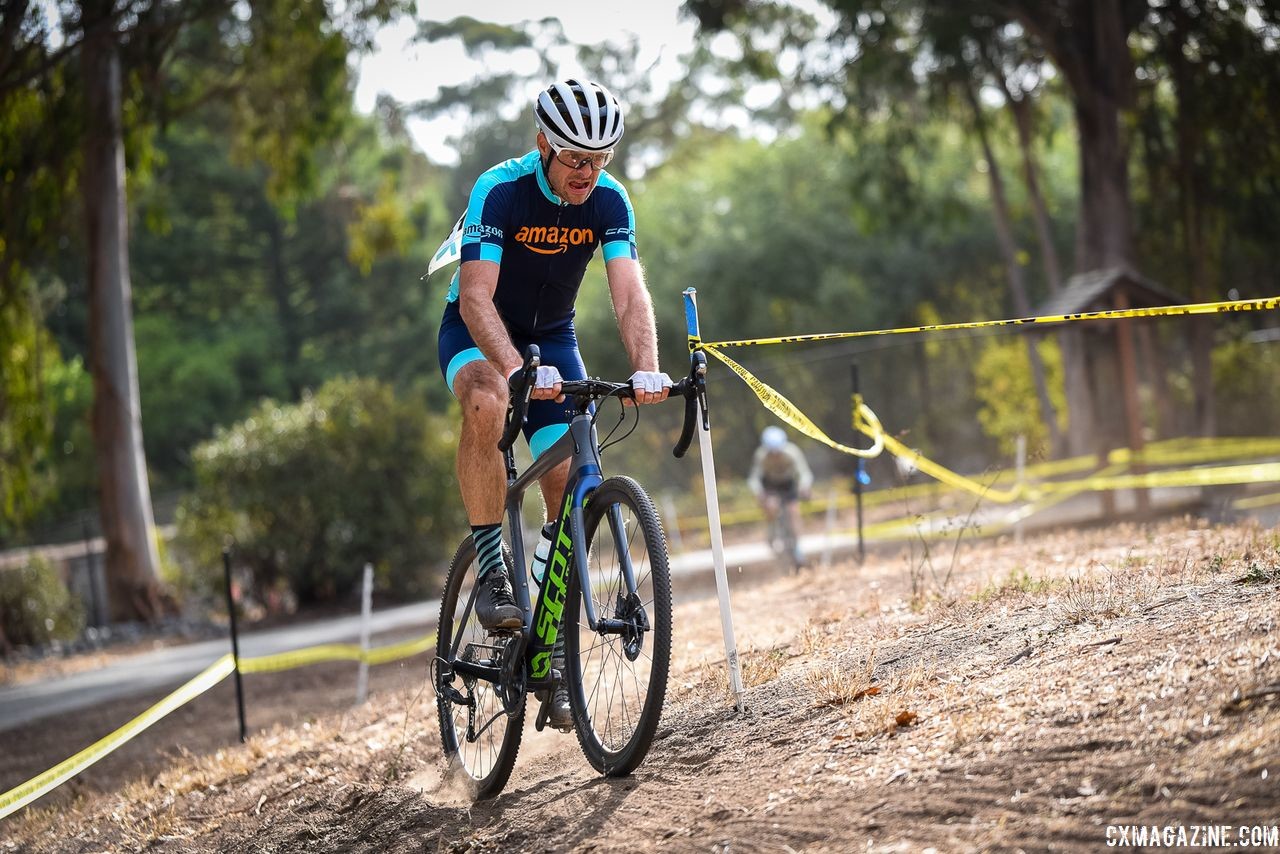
{"x":617,"y":675}
{"x":480,"y":737}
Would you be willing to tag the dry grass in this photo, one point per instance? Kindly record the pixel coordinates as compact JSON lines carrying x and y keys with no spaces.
{"x":761,"y":667}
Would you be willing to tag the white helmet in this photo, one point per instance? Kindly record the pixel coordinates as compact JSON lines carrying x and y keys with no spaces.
{"x":774,"y":438}
{"x":582,"y":116}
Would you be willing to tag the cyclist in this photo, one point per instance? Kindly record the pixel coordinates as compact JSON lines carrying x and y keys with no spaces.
{"x":779,"y":477}
{"x":531,"y":226}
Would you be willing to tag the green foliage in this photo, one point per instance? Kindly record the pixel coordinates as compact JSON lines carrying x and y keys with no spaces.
{"x":195,"y":379}
{"x":311,"y":492}
{"x":1005,"y":387}
{"x":1244,"y":379}
{"x":28,"y":362}
{"x":36,"y":607}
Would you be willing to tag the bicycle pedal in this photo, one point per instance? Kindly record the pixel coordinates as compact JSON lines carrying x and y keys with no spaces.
{"x":544,"y":712}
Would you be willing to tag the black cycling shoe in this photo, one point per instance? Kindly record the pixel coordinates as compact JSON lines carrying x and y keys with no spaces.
{"x":496,"y":608}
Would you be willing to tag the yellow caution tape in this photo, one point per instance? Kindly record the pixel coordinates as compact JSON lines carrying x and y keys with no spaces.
{"x":1256,"y":501}
{"x":950,"y":478}
{"x":40,"y":785}
{"x":16,"y":798}
{"x":786,"y":410}
{"x":1220,"y":476}
{"x":1262,"y":304}
{"x":335,"y":652}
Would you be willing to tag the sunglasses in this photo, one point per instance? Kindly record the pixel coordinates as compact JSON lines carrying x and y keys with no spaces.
{"x":575,"y":160}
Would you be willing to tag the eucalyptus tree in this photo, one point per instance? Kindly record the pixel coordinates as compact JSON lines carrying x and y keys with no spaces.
{"x":98,"y":78}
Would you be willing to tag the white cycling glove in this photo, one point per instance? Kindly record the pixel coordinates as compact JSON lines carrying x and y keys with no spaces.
{"x":546,"y":376}
{"x":650,"y":381}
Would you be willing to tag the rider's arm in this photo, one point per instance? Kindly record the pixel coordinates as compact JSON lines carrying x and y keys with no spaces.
{"x":477,"y":283}
{"x":634,"y":312}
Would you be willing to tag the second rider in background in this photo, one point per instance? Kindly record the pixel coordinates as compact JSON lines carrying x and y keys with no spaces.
{"x":531,"y":226}
{"x":780,"y":476}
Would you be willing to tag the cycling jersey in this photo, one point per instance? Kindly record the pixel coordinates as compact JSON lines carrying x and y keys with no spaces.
{"x":782,"y":472}
{"x":542,"y":246}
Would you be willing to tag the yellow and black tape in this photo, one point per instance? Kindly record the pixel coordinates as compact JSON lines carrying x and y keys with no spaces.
{"x":1229,"y":306}
{"x":40,"y":785}
{"x":788,"y":412}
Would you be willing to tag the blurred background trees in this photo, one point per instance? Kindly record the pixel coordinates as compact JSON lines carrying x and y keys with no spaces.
{"x":826,"y":166}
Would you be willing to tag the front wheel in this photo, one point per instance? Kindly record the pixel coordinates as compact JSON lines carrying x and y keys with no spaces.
{"x":480,"y":738}
{"x":617,"y":674}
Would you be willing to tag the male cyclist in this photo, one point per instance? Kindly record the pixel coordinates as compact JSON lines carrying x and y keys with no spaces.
{"x":531,"y":226}
{"x":779,"y":477}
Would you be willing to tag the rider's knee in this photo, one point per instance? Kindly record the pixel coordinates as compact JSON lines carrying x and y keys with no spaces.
{"x":483,"y":400}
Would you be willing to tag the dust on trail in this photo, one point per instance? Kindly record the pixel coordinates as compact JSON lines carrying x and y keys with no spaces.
{"x":1016,"y":696}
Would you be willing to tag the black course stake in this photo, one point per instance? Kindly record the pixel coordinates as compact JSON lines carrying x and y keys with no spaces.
{"x":235,"y":639}
{"x":857,"y":475}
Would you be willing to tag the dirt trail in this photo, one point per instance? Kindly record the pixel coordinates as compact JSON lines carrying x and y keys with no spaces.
{"x":1017,"y":697}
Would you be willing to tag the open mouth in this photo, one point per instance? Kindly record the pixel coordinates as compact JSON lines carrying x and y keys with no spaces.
{"x":579,"y":186}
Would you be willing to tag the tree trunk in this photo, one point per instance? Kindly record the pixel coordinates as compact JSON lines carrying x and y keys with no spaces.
{"x":1190,"y":135}
{"x":1101,"y":78}
{"x":1017,"y":285}
{"x":124,"y":494}
{"x":1021,"y":110}
{"x":1088,"y":41}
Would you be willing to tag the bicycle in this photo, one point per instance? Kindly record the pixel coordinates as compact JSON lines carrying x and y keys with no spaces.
{"x":606,"y":585}
{"x":782,"y":535}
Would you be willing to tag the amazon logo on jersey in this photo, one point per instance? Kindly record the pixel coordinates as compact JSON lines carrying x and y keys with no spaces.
{"x":551,"y":239}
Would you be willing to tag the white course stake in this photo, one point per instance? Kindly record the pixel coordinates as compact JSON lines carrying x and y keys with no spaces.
{"x":366,"y":613}
{"x":713,"y":519}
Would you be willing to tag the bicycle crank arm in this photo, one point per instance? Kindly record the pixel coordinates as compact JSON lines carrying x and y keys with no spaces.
{"x":479,"y":671}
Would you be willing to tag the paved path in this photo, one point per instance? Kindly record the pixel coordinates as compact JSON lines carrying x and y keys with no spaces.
{"x":169,"y":667}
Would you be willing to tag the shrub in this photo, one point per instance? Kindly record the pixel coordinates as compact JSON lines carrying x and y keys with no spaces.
{"x":36,"y":607}
{"x":310,"y":492}
{"x":1007,"y":391}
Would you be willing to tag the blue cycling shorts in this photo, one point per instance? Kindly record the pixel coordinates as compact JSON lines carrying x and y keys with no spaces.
{"x":547,"y":420}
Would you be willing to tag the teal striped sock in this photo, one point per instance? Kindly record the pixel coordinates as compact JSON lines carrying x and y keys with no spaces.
{"x":488,"y":540}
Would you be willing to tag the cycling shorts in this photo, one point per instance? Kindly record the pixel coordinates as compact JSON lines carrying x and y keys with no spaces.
{"x":547,"y":420}
{"x":786,"y":490}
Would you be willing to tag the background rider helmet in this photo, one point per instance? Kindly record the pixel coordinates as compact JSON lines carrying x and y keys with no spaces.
{"x":773,"y":438}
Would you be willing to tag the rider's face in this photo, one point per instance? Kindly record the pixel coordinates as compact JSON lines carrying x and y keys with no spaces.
{"x":571,"y":185}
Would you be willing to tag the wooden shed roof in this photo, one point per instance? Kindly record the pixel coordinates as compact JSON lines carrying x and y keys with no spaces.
{"x":1096,"y":290}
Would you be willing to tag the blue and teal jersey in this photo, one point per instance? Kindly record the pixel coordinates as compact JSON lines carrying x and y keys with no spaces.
{"x":542,"y":245}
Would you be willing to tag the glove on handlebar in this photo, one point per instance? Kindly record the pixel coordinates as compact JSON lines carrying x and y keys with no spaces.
{"x":650,"y":381}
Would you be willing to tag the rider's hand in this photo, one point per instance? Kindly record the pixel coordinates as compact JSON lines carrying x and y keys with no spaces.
{"x":650,"y":386}
{"x":546,"y":383}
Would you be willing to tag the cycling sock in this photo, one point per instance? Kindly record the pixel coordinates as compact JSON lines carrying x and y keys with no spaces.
{"x":488,"y":540}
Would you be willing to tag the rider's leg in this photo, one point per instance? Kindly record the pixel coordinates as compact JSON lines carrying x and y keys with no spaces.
{"x":552,"y":484}
{"x":481,"y":475}
{"x":483,"y":482}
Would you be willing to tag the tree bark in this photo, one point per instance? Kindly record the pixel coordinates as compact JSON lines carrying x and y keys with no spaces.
{"x":1088,"y":42}
{"x":1021,"y":110}
{"x":1017,"y":285}
{"x":1190,"y":137}
{"x":132,"y":559}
